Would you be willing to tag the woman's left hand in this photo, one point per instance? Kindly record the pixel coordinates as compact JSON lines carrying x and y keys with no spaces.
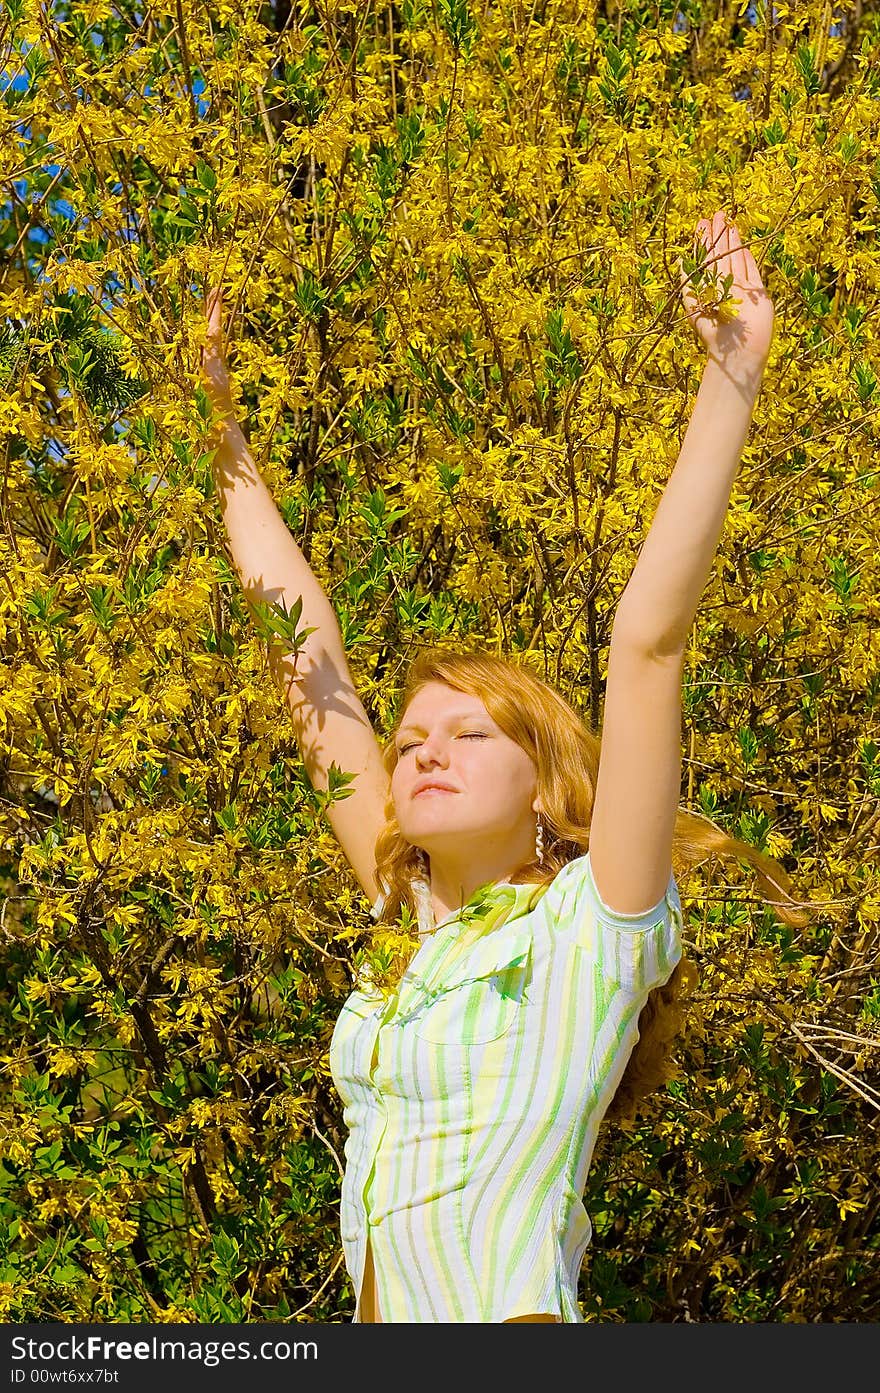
{"x":747,"y":337}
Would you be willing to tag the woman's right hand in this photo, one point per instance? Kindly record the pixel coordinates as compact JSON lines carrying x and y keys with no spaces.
{"x":214,"y":371}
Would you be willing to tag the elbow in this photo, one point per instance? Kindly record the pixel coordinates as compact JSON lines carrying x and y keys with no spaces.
{"x":649,"y":641}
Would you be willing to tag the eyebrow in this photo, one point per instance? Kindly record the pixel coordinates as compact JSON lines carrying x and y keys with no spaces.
{"x":456,"y":716}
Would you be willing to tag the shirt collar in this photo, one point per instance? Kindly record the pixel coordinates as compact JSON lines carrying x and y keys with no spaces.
{"x":467,"y":943}
{"x":492,"y":905}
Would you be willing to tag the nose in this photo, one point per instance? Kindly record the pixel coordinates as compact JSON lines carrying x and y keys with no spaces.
{"x":431,"y":752}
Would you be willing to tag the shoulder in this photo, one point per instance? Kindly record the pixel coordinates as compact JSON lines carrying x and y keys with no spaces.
{"x":573,"y":892}
{"x":637,"y":949}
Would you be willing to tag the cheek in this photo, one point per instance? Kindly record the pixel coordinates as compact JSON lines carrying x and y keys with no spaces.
{"x":401,"y":779}
{"x":502,"y":790}
{"x":515,"y":775}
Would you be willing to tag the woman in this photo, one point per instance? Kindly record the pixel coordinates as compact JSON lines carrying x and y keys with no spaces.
{"x":476,"y":1074}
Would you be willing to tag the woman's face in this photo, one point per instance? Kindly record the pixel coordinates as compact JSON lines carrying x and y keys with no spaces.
{"x":449,"y":737}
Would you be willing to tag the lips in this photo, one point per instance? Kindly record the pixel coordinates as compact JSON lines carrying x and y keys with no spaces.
{"x":433,"y":786}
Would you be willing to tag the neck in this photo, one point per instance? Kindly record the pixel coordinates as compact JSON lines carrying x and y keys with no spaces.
{"x":451,"y":890}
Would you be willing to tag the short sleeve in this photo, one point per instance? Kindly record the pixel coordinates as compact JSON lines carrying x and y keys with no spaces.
{"x":638,"y":951}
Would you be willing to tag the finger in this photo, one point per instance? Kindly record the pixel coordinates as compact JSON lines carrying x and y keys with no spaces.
{"x":214,"y":308}
{"x":722,"y":234}
{"x":712,"y":233}
{"x":753,"y":270}
{"x":739,"y":263}
{"x":727,"y":263}
{"x":723,"y":263}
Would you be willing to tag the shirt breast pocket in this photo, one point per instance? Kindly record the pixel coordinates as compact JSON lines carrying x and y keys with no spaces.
{"x":482,"y":1003}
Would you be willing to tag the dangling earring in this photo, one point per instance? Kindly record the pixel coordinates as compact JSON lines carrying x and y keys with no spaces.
{"x":539,"y":842}
{"x":421,"y":857}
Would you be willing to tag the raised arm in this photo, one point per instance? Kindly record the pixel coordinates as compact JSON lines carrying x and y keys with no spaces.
{"x":329,"y":719}
{"x":639,"y":781}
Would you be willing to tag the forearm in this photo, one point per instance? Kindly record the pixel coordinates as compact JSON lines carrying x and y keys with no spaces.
{"x":270,"y":565}
{"x":329,"y":719}
{"x":661,"y":598}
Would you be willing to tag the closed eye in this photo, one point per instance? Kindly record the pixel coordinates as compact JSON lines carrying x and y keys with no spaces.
{"x":467,"y":735}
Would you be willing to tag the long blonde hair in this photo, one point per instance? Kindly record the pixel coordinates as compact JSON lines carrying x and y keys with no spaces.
{"x":566,"y":755}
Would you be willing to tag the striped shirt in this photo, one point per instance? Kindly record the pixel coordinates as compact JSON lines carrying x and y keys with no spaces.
{"x":473,"y":1094}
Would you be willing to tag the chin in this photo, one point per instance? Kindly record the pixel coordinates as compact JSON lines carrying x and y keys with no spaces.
{"x":436,"y":839}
